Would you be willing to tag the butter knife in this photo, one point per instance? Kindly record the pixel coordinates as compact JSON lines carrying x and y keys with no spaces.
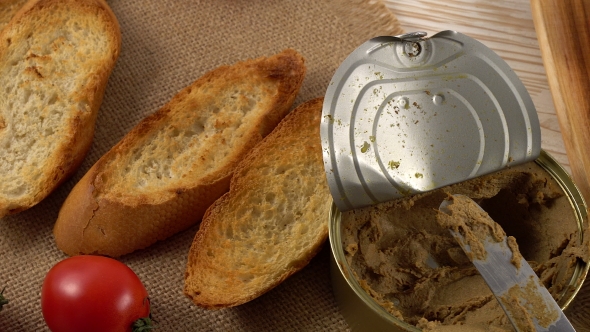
{"x":526,"y":302}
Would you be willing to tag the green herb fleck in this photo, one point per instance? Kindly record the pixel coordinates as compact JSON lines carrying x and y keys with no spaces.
{"x":365,"y":147}
{"x":393,"y":164}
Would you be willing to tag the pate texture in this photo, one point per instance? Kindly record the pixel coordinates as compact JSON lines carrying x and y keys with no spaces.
{"x":417,"y":271}
{"x":478,"y":232}
{"x":465,"y":217}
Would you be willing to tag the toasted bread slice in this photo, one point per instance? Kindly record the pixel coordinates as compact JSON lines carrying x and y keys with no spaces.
{"x":8,"y":9}
{"x":270,"y":224}
{"x":163,"y":175}
{"x":55,"y":59}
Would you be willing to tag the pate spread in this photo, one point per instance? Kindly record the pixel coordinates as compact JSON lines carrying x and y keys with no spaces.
{"x":417,"y":271}
{"x":477,"y":233}
{"x":465,"y":217}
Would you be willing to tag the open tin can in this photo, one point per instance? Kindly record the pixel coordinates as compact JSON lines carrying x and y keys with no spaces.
{"x":407,"y":115}
{"x":364,"y":313}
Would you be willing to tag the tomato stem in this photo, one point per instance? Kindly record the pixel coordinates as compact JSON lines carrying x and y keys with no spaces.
{"x":144,"y":324}
{"x":3,"y":300}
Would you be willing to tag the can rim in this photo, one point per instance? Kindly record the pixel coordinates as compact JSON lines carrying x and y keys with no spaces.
{"x":578,"y":204}
{"x":549,"y":164}
{"x":335,"y":237}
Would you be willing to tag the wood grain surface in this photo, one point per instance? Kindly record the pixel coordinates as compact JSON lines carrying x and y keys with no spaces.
{"x":505,"y":26}
{"x":563,"y":30}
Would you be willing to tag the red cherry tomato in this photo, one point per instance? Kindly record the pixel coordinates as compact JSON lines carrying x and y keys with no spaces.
{"x":92,"y":293}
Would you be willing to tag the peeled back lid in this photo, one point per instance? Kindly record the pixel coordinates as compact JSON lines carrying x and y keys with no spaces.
{"x":408,"y":114}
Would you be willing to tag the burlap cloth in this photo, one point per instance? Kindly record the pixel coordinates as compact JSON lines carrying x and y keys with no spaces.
{"x":167,"y":44}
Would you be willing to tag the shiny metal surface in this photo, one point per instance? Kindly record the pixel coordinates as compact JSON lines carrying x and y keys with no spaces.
{"x":408,"y":115}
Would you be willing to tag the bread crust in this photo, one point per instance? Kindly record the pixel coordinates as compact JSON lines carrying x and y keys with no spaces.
{"x":47,"y":62}
{"x":120,"y":206}
{"x":270,"y":224}
{"x":8,"y":8}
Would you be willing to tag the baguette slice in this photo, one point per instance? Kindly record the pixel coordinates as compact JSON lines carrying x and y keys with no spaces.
{"x":270,"y":224}
{"x":163,"y":175}
{"x":55,"y":59}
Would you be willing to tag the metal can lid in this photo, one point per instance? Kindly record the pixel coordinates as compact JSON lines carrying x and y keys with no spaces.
{"x":408,"y":114}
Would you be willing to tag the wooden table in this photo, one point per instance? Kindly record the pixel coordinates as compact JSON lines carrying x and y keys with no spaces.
{"x":505,"y":26}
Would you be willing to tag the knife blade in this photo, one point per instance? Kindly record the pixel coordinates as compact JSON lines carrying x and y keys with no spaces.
{"x":526,"y":302}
